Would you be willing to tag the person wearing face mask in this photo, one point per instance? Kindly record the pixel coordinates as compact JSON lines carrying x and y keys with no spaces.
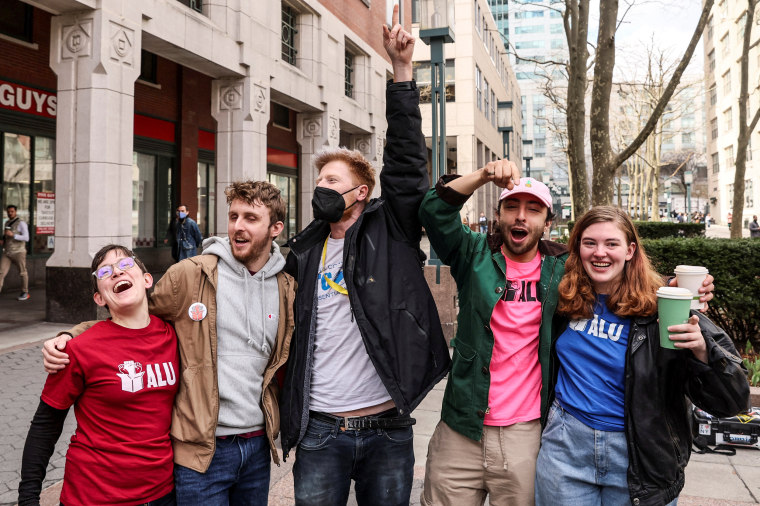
{"x":368,"y":343}
{"x":184,"y":234}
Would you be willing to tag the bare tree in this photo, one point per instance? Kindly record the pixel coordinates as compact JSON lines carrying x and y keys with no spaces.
{"x":745,"y":130}
{"x":575,"y":19}
{"x":605,"y":161}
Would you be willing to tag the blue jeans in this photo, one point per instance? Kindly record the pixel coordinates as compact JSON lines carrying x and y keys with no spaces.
{"x":581,"y":466}
{"x":380,"y":461}
{"x":238,"y":475}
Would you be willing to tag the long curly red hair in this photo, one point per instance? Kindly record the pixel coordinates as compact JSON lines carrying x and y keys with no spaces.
{"x":635,"y":295}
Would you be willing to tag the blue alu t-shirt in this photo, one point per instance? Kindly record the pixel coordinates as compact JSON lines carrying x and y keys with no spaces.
{"x":591,"y":378}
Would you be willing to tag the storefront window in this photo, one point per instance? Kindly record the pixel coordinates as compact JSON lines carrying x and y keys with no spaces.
{"x":151,"y":199}
{"x":207,"y":198}
{"x":43,"y":195}
{"x":25,"y":160}
{"x":143,"y":200}
{"x":288,"y":185}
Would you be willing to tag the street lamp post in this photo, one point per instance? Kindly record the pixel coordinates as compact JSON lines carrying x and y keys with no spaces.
{"x":527,"y":155}
{"x":668,"y":184}
{"x":688,"y":178}
{"x":504,"y":122}
{"x":436,"y":22}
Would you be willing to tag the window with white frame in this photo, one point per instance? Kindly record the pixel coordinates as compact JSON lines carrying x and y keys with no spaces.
{"x":487,"y":100}
{"x":729,"y":155}
{"x":350,"y":78}
{"x":728,"y":119}
{"x":749,"y":197}
{"x":727,"y":83}
{"x":714,"y":128}
{"x":289,"y":49}
{"x":724,"y":45}
{"x":715,"y":163}
{"x":493,"y":108}
{"x":478,"y":88}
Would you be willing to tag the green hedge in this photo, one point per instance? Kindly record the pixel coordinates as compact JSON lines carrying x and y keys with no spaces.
{"x":735,"y":265}
{"x":661,"y":229}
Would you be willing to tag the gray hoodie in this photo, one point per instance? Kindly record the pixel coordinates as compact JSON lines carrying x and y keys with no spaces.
{"x":247,"y":310}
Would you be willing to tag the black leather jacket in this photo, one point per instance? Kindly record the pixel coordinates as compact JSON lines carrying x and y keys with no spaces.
{"x":382,"y":262}
{"x":658,"y":386}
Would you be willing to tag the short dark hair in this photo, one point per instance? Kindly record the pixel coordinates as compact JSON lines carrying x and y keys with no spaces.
{"x":258,"y":192}
{"x":9,"y":207}
{"x":101,"y":255}
{"x":181,"y":205}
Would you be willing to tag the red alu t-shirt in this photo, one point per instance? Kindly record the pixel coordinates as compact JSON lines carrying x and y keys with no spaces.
{"x":122,"y":383}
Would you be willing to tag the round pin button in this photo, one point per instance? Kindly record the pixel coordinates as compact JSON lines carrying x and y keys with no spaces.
{"x":197,"y":311}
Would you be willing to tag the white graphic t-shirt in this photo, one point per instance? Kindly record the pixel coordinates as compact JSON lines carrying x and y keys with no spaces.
{"x":343,"y":377}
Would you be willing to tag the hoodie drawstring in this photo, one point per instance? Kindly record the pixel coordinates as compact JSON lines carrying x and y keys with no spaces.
{"x":484,"y":444}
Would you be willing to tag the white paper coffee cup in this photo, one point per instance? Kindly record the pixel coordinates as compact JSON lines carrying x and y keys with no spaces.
{"x":691,"y":277}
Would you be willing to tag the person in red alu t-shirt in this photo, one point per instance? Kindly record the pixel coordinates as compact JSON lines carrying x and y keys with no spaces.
{"x":122,"y":381}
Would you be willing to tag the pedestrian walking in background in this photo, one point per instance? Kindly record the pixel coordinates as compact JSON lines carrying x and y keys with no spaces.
{"x":729,"y":218}
{"x":184,"y":234}
{"x":14,"y":239}
{"x":754,"y":228}
{"x":483,"y":222}
{"x":617,"y":390}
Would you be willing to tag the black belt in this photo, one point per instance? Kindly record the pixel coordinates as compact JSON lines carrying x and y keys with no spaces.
{"x":384,"y":420}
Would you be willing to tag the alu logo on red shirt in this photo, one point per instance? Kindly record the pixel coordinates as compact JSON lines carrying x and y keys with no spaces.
{"x":133,"y":376}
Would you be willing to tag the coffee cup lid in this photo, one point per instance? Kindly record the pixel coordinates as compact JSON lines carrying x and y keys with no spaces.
{"x":690,"y":269}
{"x":673,"y":292}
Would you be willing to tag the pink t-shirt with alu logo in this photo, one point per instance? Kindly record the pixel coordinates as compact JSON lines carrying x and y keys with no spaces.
{"x":515,"y":393}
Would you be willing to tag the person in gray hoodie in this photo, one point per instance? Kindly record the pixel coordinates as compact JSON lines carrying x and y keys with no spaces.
{"x":233,"y":335}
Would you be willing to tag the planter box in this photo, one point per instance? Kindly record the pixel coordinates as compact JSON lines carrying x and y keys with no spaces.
{"x":754,"y":396}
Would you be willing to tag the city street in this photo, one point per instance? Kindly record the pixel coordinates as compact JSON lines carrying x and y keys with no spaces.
{"x":710,"y":479}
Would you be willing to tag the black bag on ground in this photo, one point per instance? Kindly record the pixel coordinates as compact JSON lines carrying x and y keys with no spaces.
{"x":742,"y":430}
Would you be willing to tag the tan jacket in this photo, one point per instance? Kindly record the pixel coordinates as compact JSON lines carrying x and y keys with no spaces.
{"x":196,"y":407}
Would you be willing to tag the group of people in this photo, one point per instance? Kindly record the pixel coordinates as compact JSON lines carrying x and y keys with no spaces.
{"x":555,"y":356}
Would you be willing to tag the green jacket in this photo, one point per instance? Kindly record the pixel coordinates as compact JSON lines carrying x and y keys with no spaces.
{"x":479,"y":268}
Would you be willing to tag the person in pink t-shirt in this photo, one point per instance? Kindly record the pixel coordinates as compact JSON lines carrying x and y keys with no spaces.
{"x":488,"y":437}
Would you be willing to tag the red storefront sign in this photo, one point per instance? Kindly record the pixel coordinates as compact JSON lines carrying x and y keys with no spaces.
{"x":18,"y":97}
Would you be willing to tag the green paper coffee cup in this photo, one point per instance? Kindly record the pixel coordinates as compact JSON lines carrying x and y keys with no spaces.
{"x":673,"y":306}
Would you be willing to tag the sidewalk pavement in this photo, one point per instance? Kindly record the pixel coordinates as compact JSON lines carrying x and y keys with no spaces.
{"x":711,"y":480}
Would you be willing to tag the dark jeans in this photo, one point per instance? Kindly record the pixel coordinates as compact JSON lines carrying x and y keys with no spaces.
{"x":238,"y":475}
{"x":380,"y":461}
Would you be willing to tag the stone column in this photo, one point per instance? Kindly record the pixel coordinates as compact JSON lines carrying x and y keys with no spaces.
{"x":241,"y":109}
{"x":315,"y":131}
{"x":96,"y":56}
{"x":371,"y":146}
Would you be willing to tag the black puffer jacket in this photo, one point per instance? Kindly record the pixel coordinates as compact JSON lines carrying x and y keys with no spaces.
{"x":658,"y":386}
{"x":382,"y":262}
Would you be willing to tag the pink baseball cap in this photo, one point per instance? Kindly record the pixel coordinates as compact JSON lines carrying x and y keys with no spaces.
{"x":530,"y":186}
